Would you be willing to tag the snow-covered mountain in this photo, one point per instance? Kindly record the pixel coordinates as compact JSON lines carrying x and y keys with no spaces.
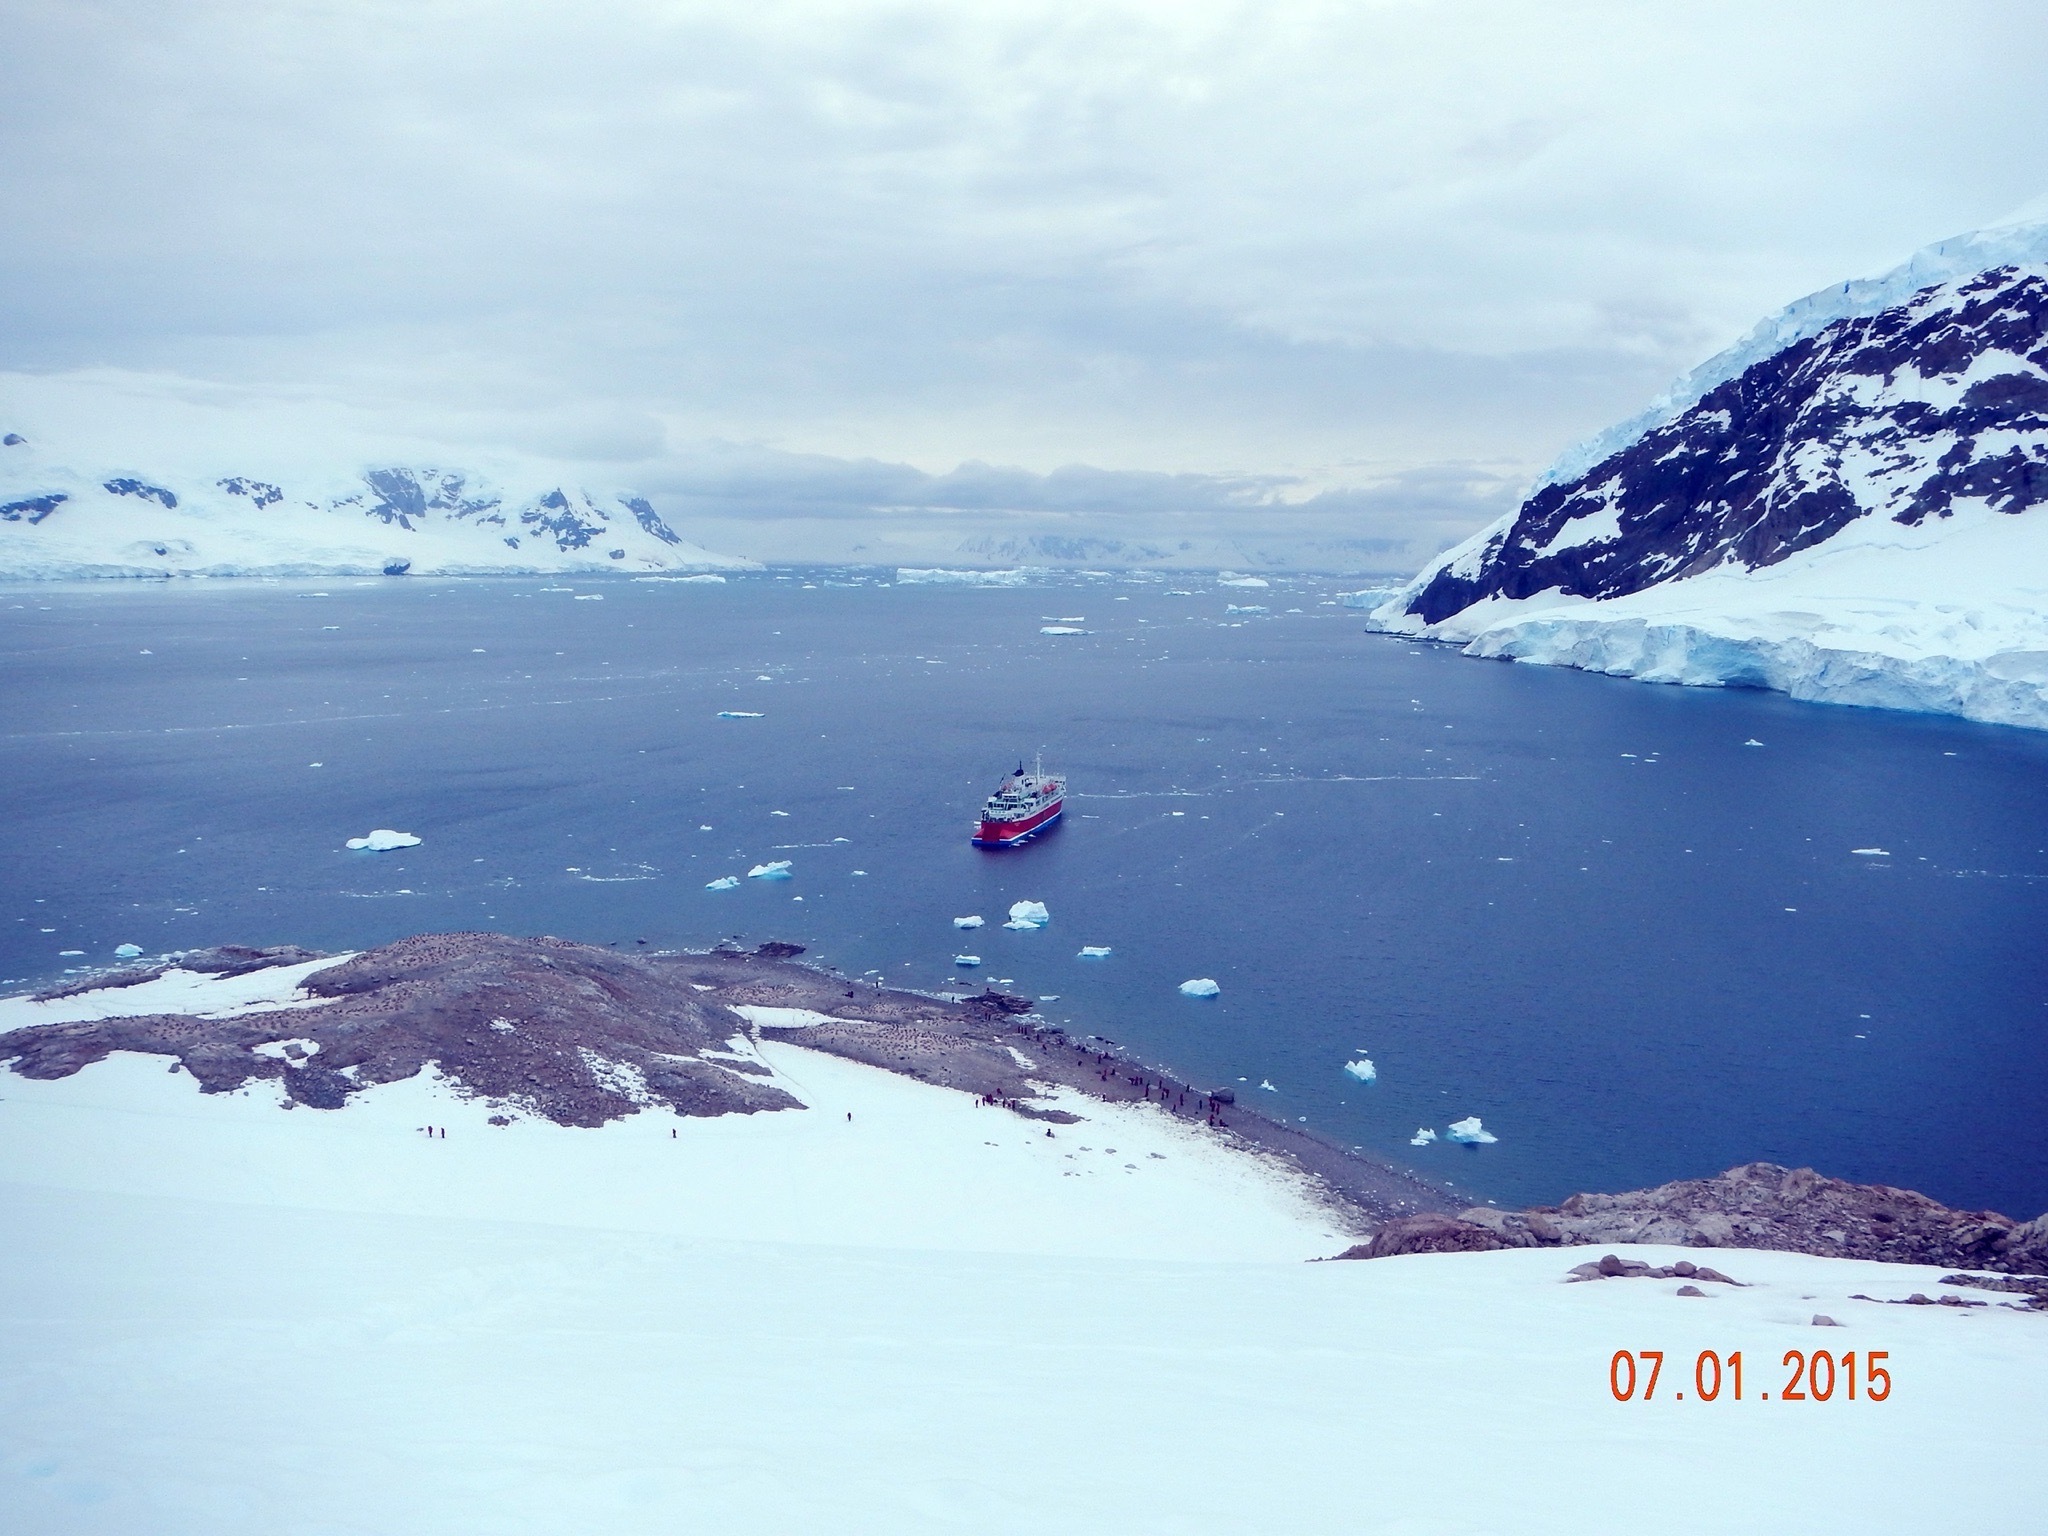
{"x":1849,"y":505}
{"x":65,"y":514}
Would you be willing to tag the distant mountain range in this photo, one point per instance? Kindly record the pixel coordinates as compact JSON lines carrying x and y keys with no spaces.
{"x":1849,"y":505}
{"x":58,"y":519}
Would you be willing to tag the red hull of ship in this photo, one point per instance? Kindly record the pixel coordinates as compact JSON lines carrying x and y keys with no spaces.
{"x":1000,"y":834}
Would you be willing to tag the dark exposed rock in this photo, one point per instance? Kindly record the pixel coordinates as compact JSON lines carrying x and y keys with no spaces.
{"x":12,"y":440}
{"x":778,"y":949}
{"x":1427,"y":1232}
{"x":126,"y":486}
{"x":1762,"y":1205}
{"x":991,"y":1001}
{"x":262,"y":492}
{"x":33,"y":509}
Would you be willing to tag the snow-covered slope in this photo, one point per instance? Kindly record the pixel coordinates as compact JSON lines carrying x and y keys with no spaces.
{"x":1849,"y":505}
{"x":120,"y":477}
{"x":927,"y":1317}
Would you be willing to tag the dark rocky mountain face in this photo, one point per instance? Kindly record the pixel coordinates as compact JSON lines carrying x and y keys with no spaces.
{"x":1900,"y":414}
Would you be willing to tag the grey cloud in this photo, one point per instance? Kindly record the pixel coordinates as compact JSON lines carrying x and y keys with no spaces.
{"x":1228,"y":246}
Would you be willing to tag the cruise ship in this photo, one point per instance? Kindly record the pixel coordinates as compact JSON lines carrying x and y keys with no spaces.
{"x":1023,"y":804}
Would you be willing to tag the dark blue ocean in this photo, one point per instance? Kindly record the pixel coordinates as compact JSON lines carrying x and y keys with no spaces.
{"x":1580,"y":908}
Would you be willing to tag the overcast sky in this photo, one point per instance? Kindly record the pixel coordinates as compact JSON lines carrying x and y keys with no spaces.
{"x":790,"y":262}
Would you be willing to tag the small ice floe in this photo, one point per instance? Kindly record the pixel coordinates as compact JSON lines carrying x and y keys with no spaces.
{"x":1422,"y":1138}
{"x":66,"y":954}
{"x":1060,"y":629}
{"x":1470,"y":1132}
{"x":1201,"y":986}
{"x":967,"y":959}
{"x":739,"y":714}
{"x":1873,"y":853}
{"x":779,"y":870}
{"x":778,"y":813}
{"x":1093,"y":952}
{"x":1362,"y":1069}
{"x":383,"y":840}
{"x":723,"y":883}
{"x":1028,"y":915}
{"x":1229,"y":579}
{"x":127,"y":951}
{"x":1752,"y":742}
{"x":1246,"y":608}
{"x":967,"y":922}
{"x":1267,"y":1084}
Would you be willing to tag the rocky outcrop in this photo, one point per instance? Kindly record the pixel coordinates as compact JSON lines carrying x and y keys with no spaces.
{"x":1759,"y":1205}
{"x":568,"y":1032}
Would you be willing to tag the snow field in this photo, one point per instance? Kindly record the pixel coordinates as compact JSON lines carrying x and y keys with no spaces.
{"x":917,"y":1167}
{"x":203,"y":1367}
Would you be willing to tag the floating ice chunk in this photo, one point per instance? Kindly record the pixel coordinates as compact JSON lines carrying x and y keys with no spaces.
{"x":63,"y":954}
{"x":1267,"y":1084}
{"x":1066,"y":618}
{"x":589,"y":597}
{"x":1201,"y":986}
{"x":1247,"y":608}
{"x":1230,"y":580}
{"x":1025,"y":915}
{"x":1470,"y":1132}
{"x":967,"y":959}
{"x":949,"y":578}
{"x":1422,"y":1138}
{"x":778,"y":813}
{"x":739,"y":714}
{"x":1060,"y":629}
{"x":1873,"y":853}
{"x":1752,"y":742}
{"x":1362,"y":1069}
{"x":967,"y":922}
{"x":724,"y":883}
{"x":1093,"y":952}
{"x":779,"y":870}
{"x":127,"y":951}
{"x":383,"y":840}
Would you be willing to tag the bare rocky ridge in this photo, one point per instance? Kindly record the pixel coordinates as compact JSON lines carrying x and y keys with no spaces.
{"x":1759,"y":1205}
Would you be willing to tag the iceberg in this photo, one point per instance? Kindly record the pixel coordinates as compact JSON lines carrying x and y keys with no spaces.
{"x":724,"y":883}
{"x":1028,"y":915}
{"x":127,"y":951}
{"x":739,"y":714}
{"x":1093,"y":952}
{"x":966,"y":922}
{"x":1060,"y":629}
{"x":1201,"y":986}
{"x":1362,"y":1069}
{"x":1267,"y":1084}
{"x":1246,"y":608}
{"x":967,"y":959}
{"x":1422,"y":1138}
{"x":945,"y":578}
{"x":779,"y":870}
{"x":383,"y":840}
{"x":1873,"y":853}
{"x":1470,"y":1132}
{"x":1231,"y":580}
